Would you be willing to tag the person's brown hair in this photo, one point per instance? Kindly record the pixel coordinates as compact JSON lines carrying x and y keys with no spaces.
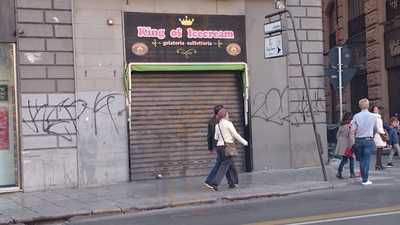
{"x":347,"y":117}
{"x":393,"y":119}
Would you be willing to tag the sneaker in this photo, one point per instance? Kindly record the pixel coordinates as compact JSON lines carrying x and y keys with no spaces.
{"x":367,"y":183}
{"x":390,"y":165}
{"x":208,"y":186}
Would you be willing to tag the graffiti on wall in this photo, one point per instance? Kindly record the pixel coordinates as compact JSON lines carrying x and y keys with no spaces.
{"x":269,"y":106}
{"x":43,"y":117}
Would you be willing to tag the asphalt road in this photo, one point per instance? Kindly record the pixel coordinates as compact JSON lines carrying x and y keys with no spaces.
{"x":353,"y":205}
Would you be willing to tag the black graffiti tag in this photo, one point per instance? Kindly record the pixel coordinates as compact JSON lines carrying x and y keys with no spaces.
{"x":62,"y":126}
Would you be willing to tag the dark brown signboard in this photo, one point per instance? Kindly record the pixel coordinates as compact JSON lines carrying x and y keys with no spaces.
{"x":156,"y":37}
{"x":7,"y":21}
{"x":392,"y":46}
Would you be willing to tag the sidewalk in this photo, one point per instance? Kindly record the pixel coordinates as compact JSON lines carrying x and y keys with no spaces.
{"x":63,"y":204}
{"x":155,"y":194}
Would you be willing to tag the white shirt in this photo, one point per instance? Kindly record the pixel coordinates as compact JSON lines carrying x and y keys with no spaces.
{"x":229,"y":133}
{"x":364,"y":124}
{"x":379,"y":126}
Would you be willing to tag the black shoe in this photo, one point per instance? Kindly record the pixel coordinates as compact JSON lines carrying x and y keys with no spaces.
{"x":339,"y":176}
{"x":353,"y":176}
{"x":231,"y":186}
{"x":379,"y":168}
{"x":215,"y":187}
{"x":390,"y":165}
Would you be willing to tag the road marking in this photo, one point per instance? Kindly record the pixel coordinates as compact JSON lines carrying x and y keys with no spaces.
{"x":346,"y":218}
{"x":331,"y":217}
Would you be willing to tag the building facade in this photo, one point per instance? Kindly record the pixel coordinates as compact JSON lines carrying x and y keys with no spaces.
{"x":369,"y":29}
{"x":114,"y":91}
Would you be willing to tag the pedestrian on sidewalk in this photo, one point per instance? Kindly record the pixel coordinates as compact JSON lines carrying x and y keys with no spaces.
{"x":380,"y":137}
{"x":344,"y":146}
{"x":392,"y":130}
{"x":363,"y":127}
{"x":211,"y":148}
{"x":225,"y":135}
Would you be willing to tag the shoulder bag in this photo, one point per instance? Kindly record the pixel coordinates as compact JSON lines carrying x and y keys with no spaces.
{"x":385,"y":136}
{"x":230,"y":148}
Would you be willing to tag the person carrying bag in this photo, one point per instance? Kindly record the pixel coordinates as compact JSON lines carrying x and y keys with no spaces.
{"x":225,"y":134}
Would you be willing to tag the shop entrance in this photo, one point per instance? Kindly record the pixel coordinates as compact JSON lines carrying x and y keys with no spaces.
{"x":394,"y":90}
{"x":8,"y":134}
{"x":169,"y":116}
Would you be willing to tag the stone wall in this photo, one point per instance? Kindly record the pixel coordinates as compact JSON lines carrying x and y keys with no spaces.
{"x":377,"y":75}
{"x":46,"y":78}
{"x":308,"y":20}
{"x":281,"y":124}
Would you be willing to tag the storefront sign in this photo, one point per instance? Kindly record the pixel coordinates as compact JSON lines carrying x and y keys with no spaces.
{"x":273,"y":46}
{"x":154,"y":37}
{"x":392,"y":46}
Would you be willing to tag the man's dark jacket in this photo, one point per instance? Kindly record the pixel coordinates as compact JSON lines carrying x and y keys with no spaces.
{"x":211,"y":133}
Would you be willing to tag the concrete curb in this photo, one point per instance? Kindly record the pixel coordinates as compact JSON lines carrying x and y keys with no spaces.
{"x":229,"y":197}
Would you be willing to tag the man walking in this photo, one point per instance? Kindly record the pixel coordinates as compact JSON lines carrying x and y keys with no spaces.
{"x":363,"y":127}
{"x":211,"y":148}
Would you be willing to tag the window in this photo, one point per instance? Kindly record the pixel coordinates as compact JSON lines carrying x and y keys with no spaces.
{"x":392,"y":9}
{"x":8,"y":134}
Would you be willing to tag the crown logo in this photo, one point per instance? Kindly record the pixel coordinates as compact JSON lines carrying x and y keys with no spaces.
{"x":186,"y":21}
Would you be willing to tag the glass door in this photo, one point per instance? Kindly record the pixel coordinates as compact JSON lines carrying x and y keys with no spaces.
{"x":8,"y":132}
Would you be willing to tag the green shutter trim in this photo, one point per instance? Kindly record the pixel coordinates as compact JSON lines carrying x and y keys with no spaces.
{"x":184,"y":67}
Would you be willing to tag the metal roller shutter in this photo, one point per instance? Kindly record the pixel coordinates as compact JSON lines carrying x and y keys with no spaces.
{"x":170,"y":113}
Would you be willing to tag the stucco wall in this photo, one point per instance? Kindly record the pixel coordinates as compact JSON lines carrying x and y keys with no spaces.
{"x":103,"y":158}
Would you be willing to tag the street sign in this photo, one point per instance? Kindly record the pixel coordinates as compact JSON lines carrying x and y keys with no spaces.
{"x":333,"y":74}
{"x":273,"y":46}
{"x":334,"y":58}
{"x":272,"y":27}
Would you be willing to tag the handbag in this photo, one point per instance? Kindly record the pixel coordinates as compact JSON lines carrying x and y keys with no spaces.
{"x":348,"y":152}
{"x":384,"y":137}
{"x":230,"y":148}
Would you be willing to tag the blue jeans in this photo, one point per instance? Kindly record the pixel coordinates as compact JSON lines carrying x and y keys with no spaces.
{"x":217,"y":165}
{"x":227,"y":168}
{"x":364,"y":148}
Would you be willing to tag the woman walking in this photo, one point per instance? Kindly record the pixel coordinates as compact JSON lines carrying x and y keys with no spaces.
{"x":225,"y":133}
{"x":379,"y":142}
{"x":343,"y":147}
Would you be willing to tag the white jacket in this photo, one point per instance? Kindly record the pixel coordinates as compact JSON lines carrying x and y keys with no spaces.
{"x":377,"y":138}
{"x":229,"y":133}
